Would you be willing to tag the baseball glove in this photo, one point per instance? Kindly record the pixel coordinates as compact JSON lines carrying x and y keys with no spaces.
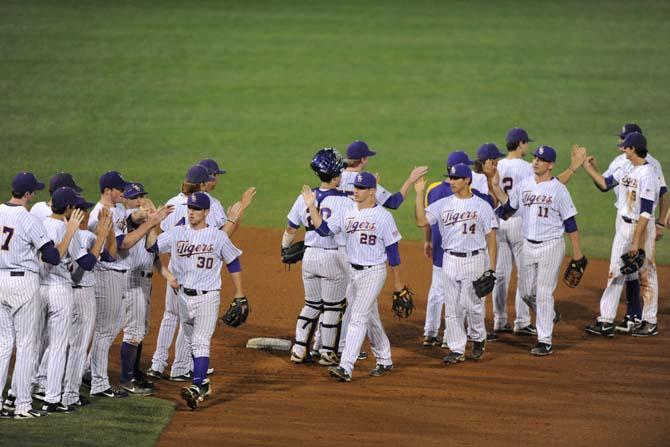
{"x":237,"y":313}
{"x":632,"y":263}
{"x":293,"y":254}
{"x":573,"y":274}
{"x":484,"y":284}
{"x":403,"y":303}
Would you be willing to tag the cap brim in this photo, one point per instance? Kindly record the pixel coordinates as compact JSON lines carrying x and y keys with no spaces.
{"x":220,"y":171}
{"x":83,"y":204}
{"x":77,"y":188}
{"x":39,"y":186}
{"x":362,"y":186}
{"x":542,"y":158}
{"x":530,"y":140}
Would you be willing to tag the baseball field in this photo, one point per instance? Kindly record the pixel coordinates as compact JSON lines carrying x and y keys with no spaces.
{"x":148,"y":88}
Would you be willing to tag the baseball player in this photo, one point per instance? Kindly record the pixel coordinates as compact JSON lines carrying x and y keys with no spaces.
{"x":197,"y":252}
{"x":433,"y":249}
{"x":324,"y":266}
{"x":56,"y":293}
{"x":110,"y":280}
{"x":637,"y":197}
{"x":547,"y":212}
{"x":371,"y":240}
{"x":22,"y":236}
{"x":466,"y":225}
{"x":42,"y":210}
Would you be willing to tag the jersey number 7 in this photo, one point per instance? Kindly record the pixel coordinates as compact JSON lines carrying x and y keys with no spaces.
{"x":9,"y":232}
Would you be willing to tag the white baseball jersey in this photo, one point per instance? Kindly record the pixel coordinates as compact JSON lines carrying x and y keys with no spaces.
{"x":137,"y":257}
{"x":368,"y":232}
{"x":41,"y":210}
{"x":60,"y":274}
{"x":197,"y":255}
{"x":479,"y":182}
{"x":543,"y":207}
{"x":463,"y":223}
{"x":640,"y":182}
{"x":216,"y":217}
{"x":79,"y":276}
{"x":513,"y":171}
{"x":621,"y":163}
{"x":347,"y":180}
{"x":119,"y":225}
{"x":21,"y":235}
{"x":329,"y":202}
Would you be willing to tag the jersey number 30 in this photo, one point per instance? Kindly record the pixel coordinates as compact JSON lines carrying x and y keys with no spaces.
{"x":9,"y":232}
{"x":204,"y":263}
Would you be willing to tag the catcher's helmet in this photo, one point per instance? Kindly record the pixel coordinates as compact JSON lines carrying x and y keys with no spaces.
{"x":328,"y":161}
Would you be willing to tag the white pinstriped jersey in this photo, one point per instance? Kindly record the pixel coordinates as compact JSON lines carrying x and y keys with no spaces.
{"x":137,"y":257}
{"x":119,"y":218}
{"x":41,"y":210}
{"x":463,"y":223}
{"x":197,"y":255}
{"x":621,"y":163}
{"x":543,"y":207}
{"x":367,"y":232}
{"x":60,"y":274}
{"x":21,"y":235}
{"x":640,"y":182}
{"x":347,"y":180}
{"x":479,"y":182}
{"x":329,"y":202}
{"x":513,"y":171}
{"x":215,"y":218}
{"x":79,"y":276}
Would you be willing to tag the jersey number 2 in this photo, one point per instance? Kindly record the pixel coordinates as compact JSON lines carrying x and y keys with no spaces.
{"x":9,"y":232}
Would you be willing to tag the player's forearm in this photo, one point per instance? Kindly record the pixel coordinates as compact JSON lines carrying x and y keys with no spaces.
{"x":64,"y":244}
{"x":315,"y":216}
{"x":576,"y":248}
{"x":132,"y":238}
{"x":397,"y":279}
{"x":498,"y":193}
{"x":640,"y":229}
{"x":420,"y":212}
{"x":564,"y":177}
{"x":427,"y":234}
{"x":237,"y":283}
{"x":598,"y":179}
{"x":98,"y":246}
{"x":289,"y":235}
{"x":664,"y":206}
{"x":492,"y":247}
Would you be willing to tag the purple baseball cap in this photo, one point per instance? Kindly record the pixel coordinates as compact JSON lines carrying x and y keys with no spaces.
{"x":82,"y":204}
{"x":198,"y":200}
{"x":112,"y":180}
{"x":211,"y":166}
{"x":517,"y":134}
{"x":134,"y":190}
{"x":636,"y":140}
{"x":546,"y":153}
{"x":460,"y":171}
{"x":63,"y":179}
{"x":198,"y":174}
{"x":458,"y":157}
{"x":365,"y":180}
{"x":628,"y":128}
{"x":359,"y":149}
{"x":64,"y":197}
{"x":26,"y":182}
{"x":488,"y":151}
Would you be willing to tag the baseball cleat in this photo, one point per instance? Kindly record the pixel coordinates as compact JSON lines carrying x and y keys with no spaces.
{"x":627,"y":325}
{"x":491,"y":337}
{"x":444,"y":345}
{"x":478,"y":350}
{"x":6,"y":414}
{"x":645,"y":329}
{"x":81,"y":402}
{"x":541,"y":349}
{"x":380,"y":370}
{"x":154,"y":374}
{"x":135,"y":388}
{"x":182,"y":378}
{"x":191,"y":395}
{"x":112,"y":393}
{"x":506,"y":328}
{"x":452,"y":358}
{"x":314,"y":353}
{"x":57,"y":407}
{"x":10,"y":403}
{"x":362,"y":355}
{"x":329,"y":359}
{"x":601,"y":328}
{"x":295,"y":358}
{"x":210,"y":371}
{"x":557,"y":316}
{"x":86,"y":380}
{"x":429,"y":341}
{"x":39,"y":395}
{"x":142,"y":381}
{"x":31,"y":414}
{"x":526,"y":330}
{"x":339,"y":373}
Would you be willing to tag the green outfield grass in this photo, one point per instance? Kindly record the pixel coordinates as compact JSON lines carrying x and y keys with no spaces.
{"x":150,"y":87}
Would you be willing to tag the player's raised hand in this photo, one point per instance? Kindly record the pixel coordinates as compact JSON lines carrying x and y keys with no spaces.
{"x":148,"y":205}
{"x":489,"y":168}
{"x":308,"y":195}
{"x":248,"y":197}
{"x":377,"y":177}
{"x":578,"y":156}
{"x":590,"y":162}
{"x":75,"y":220}
{"x":420,"y":184}
{"x":417,"y":173}
{"x":161,"y":213}
{"x":235,"y":211}
{"x":104,"y":225}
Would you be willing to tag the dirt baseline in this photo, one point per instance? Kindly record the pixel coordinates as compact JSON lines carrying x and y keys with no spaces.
{"x":591,"y":390}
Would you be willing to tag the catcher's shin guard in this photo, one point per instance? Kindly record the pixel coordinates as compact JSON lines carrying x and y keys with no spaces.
{"x":304,"y":330}
{"x":331,"y":325}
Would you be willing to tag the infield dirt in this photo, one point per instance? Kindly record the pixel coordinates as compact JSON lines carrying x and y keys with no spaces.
{"x":591,"y":391}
